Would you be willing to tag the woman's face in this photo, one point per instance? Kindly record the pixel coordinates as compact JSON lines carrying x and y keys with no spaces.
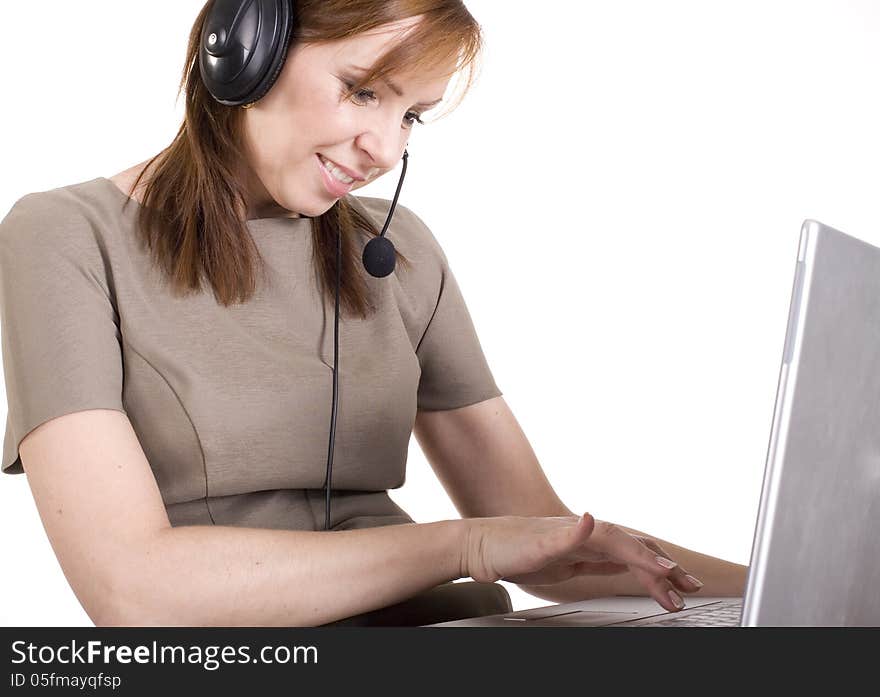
{"x":305,"y":115}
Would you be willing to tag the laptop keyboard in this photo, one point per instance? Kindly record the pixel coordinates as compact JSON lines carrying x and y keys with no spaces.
{"x":723,"y":614}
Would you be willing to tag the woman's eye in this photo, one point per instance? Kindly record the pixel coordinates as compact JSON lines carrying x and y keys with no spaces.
{"x":364,"y":95}
{"x":361,"y":94}
{"x":412,"y":117}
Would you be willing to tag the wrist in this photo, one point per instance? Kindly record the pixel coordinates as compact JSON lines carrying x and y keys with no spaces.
{"x":463,"y":533}
{"x":469,"y":543}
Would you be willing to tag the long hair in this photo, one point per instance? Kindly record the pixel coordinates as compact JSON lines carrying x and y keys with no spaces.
{"x":192,"y":216}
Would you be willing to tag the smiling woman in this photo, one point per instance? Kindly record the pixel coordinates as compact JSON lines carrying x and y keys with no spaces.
{"x":175,"y":445}
{"x":171,"y":442}
{"x":229,"y":165}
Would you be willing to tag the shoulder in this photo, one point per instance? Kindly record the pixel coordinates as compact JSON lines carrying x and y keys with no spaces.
{"x":408,"y":231}
{"x":58,"y":224}
{"x":65,"y":213}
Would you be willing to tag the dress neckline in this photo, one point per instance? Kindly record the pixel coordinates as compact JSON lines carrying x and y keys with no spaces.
{"x":134,"y":202}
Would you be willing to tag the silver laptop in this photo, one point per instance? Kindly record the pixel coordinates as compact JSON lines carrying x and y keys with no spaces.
{"x":816,"y":551}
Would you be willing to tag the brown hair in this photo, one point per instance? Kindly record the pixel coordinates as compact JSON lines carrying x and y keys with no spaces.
{"x":186,"y":218}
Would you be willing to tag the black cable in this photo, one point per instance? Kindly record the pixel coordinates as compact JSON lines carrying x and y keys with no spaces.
{"x":335,"y":380}
{"x":379,"y":260}
{"x":396,"y":194}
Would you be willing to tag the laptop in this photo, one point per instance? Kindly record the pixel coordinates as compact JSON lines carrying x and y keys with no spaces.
{"x":815,"y":557}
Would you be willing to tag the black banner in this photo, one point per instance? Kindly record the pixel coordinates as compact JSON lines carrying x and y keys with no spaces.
{"x":123,"y":661}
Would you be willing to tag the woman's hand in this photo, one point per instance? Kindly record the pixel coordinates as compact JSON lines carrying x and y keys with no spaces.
{"x":546,"y":550}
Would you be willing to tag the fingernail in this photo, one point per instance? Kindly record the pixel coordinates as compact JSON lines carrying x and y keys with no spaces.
{"x":697,"y":582}
{"x":676,"y":599}
{"x":666,"y":563}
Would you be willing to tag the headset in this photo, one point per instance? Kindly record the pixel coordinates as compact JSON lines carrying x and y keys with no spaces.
{"x":244,"y":44}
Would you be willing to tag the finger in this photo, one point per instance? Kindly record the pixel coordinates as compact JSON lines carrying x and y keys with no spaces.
{"x":566,"y":539}
{"x":687,"y":583}
{"x":629,"y":549}
{"x":584,"y":525}
{"x":661,"y":590}
{"x":680,"y":578}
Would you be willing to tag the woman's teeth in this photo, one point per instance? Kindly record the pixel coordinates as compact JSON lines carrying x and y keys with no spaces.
{"x":335,"y":171}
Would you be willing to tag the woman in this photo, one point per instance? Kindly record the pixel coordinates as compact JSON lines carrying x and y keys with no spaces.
{"x":174,"y":439}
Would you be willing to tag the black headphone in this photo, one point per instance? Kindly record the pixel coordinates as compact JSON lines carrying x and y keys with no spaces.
{"x":244,"y":44}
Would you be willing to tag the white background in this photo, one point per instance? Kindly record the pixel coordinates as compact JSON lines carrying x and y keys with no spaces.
{"x":629,"y":179}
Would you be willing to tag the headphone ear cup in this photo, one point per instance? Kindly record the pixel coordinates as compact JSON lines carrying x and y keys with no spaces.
{"x":244,"y":44}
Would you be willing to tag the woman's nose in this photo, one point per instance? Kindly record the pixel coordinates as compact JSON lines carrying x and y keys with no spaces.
{"x":384,"y":145}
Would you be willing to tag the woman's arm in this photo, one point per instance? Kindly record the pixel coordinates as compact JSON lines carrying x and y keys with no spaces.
{"x":229,"y":576}
{"x":103,"y":512}
{"x":485,"y":462}
{"x":488,"y":467}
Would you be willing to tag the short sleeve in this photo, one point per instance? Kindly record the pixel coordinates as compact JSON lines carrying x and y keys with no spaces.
{"x":455,"y":372}
{"x":59,"y":325}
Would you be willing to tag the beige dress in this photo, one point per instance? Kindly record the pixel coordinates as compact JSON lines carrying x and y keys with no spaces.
{"x":231,"y":405}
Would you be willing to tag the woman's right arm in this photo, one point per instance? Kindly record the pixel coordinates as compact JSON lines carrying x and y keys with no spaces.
{"x":103,"y":512}
{"x":206,"y":575}
{"x":105,"y":518}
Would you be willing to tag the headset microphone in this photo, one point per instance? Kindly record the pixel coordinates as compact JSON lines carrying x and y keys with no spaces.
{"x":378,"y":255}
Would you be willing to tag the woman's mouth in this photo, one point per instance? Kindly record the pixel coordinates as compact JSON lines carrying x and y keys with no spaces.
{"x":335,"y":181}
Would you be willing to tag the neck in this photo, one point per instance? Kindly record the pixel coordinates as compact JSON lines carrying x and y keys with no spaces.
{"x":260,"y":202}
